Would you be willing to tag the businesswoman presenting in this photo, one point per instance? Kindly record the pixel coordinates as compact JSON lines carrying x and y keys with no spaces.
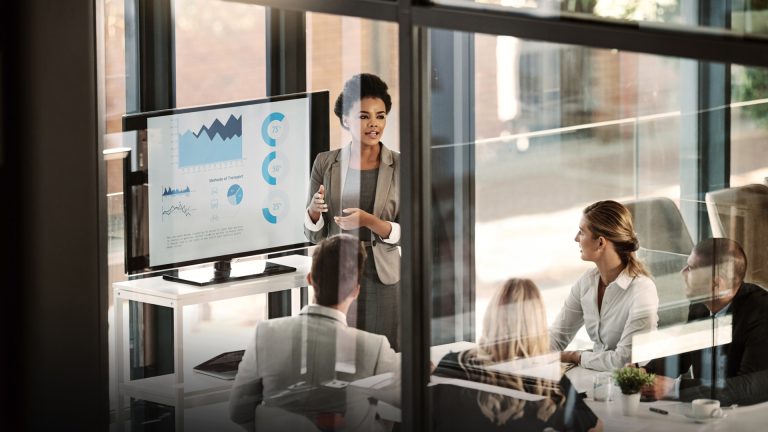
{"x":614,"y":301}
{"x":356,"y":190}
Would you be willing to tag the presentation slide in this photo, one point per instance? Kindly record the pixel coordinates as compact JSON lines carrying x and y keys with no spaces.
{"x":227,"y":181}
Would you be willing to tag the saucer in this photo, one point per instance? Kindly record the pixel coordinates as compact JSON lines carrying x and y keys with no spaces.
{"x":705,"y":419}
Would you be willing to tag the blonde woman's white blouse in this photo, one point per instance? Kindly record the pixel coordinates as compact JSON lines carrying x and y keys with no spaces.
{"x":630,"y":306}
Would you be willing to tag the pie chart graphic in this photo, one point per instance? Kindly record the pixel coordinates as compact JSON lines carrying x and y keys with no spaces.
{"x":267,"y":169}
{"x":235,"y":194}
{"x":274,"y":128}
{"x":275,"y":207}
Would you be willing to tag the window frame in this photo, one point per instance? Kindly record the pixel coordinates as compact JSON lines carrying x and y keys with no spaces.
{"x":415,"y":18}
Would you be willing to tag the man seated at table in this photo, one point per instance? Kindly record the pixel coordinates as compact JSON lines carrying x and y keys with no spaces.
{"x":294,"y":370}
{"x":714,"y":281}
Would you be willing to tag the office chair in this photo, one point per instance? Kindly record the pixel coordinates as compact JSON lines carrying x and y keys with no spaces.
{"x":741,"y":214}
{"x":665,"y":244}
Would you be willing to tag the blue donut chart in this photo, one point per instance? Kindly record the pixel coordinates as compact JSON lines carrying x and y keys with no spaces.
{"x":265,"y":168}
{"x":276,"y":207}
{"x":275,"y":116}
{"x":269,"y":216}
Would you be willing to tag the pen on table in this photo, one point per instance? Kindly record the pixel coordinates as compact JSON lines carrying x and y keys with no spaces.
{"x":659,"y":410}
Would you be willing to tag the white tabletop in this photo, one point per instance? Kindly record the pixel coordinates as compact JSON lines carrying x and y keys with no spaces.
{"x":751,"y":418}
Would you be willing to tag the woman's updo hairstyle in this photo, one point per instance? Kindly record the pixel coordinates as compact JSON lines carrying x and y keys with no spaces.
{"x":612,"y":221}
{"x":358,"y":87}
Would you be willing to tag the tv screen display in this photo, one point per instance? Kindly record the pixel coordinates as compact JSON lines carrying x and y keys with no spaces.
{"x":228,"y":180}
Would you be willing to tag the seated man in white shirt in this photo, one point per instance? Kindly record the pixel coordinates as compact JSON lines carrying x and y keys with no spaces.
{"x":295,"y":369}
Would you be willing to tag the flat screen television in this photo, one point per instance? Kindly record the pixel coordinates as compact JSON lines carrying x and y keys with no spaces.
{"x":221,"y":181}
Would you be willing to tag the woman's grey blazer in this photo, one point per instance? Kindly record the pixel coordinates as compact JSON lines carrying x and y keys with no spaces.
{"x":330,"y":169}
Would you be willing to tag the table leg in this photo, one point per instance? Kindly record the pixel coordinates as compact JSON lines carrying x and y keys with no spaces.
{"x":179,"y":410}
{"x":119,"y":366}
{"x":178,"y":345}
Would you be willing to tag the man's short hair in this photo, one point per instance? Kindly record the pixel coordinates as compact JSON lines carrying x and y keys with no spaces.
{"x":725,"y":255}
{"x":337,"y":266}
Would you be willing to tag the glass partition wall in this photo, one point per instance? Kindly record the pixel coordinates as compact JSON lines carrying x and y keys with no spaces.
{"x":505,"y":139}
{"x":549,"y":130}
{"x":226,"y":52}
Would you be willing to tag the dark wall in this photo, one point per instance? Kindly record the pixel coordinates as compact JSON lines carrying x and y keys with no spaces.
{"x":9,"y":218}
{"x":53,"y":258}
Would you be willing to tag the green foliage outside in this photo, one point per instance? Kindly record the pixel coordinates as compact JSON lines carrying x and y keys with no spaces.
{"x":751,"y":84}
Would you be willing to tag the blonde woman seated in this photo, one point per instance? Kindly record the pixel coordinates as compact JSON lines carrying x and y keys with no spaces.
{"x":615,"y":300}
{"x":514,"y":331}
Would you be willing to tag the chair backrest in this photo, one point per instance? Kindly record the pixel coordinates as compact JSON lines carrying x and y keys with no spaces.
{"x":741,"y":214}
{"x":660,"y":225}
{"x":665,"y":244}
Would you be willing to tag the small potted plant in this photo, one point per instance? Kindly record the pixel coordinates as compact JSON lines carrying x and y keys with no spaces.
{"x":631,"y":380}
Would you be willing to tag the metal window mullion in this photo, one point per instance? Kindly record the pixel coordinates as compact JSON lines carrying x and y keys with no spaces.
{"x":286,"y":52}
{"x":452,"y":185}
{"x":381,"y":10}
{"x":706,"y":126}
{"x":286,"y":73}
{"x":150,"y":85}
{"x":643,"y":37}
{"x":155,"y":56}
{"x":415,"y":219}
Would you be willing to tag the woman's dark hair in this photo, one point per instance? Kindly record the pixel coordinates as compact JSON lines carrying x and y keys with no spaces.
{"x":358,"y":87}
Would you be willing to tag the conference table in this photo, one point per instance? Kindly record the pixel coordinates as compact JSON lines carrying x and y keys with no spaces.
{"x":746,"y":418}
{"x":743,"y":418}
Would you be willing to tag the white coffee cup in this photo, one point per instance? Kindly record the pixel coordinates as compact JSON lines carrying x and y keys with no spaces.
{"x":706,"y":408}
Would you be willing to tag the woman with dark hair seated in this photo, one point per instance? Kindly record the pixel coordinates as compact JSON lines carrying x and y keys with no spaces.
{"x":514,"y":332}
{"x":356,"y":190}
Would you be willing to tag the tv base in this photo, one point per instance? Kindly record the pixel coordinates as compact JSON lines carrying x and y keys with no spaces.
{"x":194,"y":277}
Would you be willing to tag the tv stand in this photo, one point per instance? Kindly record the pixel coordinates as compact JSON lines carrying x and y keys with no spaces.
{"x":223,"y":272}
{"x":185,"y":388}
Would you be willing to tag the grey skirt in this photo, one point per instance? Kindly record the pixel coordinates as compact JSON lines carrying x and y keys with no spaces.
{"x":377,"y":308}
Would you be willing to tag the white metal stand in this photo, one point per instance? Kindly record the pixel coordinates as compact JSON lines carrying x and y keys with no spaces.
{"x":174,"y":389}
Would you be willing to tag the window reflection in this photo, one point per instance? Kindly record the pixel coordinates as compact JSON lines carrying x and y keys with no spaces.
{"x":747,"y":17}
{"x":339,"y":47}
{"x":312,"y":371}
{"x":114,"y":65}
{"x":220,"y":52}
{"x":727,"y":333}
{"x":749,"y":111}
{"x":557,"y":127}
{"x":598,"y":130}
{"x":509,"y":381}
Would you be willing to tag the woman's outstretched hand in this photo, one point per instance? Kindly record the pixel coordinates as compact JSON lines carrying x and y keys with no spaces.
{"x":318,"y":205}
